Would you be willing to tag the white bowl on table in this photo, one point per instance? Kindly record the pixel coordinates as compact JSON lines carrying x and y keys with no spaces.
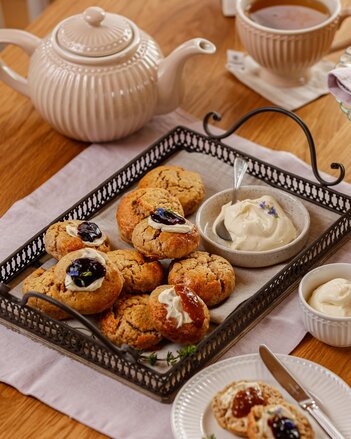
{"x":334,"y":331}
{"x":292,"y":206}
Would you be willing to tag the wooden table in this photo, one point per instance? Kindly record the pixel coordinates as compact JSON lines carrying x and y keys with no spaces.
{"x":31,"y":151}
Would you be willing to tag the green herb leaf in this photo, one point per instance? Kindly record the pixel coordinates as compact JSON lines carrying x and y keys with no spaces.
{"x":171,"y":359}
{"x":186,"y":351}
{"x":152,"y":358}
{"x":86,"y":274}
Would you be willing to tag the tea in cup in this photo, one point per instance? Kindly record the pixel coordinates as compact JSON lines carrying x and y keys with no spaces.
{"x":287,"y":37}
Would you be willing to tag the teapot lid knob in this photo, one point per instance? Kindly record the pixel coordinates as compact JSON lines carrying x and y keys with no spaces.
{"x":94,"y":15}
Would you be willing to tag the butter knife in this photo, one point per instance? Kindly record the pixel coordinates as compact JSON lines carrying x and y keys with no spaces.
{"x":305,"y":400}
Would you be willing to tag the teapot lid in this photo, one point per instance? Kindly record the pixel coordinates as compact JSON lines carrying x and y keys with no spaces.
{"x":95,"y":33}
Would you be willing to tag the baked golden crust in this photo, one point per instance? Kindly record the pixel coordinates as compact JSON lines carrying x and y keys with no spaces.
{"x":129,"y":322}
{"x":140,"y":275}
{"x":256,"y":413}
{"x":51,"y":282}
{"x":42,"y":281}
{"x":59,"y":243}
{"x":89,"y":302}
{"x":155,"y":244}
{"x":223,"y":413}
{"x":138,"y":204}
{"x":210,"y":276}
{"x":187,"y":333}
{"x":187,"y":186}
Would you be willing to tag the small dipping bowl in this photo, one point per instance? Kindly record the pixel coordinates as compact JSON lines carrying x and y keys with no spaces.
{"x":293,"y":207}
{"x":334,"y":331}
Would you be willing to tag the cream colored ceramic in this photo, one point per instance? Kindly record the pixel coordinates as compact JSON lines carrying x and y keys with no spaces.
{"x":287,"y":55}
{"x":293,"y":207}
{"x":334,"y":331}
{"x":97,"y":76}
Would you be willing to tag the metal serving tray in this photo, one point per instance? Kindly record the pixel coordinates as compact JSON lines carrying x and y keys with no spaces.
{"x":122,"y":364}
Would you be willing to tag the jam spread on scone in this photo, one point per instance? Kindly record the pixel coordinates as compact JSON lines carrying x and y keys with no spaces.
{"x":191,"y":304}
{"x":245,"y":399}
{"x":167,"y":220}
{"x":83,"y":272}
{"x":283,"y":428}
{"x":88,"y":231}
{"x":167,"y":216}
{"x":183,"y":305}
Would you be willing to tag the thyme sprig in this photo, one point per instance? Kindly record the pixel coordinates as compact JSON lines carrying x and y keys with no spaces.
{"x":171,"y":358}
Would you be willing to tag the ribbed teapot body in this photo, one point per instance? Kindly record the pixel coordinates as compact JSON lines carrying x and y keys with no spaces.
{"x":95,"y":102}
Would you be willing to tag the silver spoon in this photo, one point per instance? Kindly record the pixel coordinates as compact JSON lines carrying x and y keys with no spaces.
{"x":240,"y":167}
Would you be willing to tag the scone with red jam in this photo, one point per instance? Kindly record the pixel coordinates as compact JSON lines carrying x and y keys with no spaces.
{"x":179,"y":314}
{"x":232,"y":405}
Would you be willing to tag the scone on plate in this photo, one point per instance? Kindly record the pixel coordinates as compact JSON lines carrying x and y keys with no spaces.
{"x":165,"y":235}
{"x":210,"y":276}
{"x":278,"y":420}
{"x":179,"y":314}
{"x":67,"y":236}
{"x":138,"y":204}
{"x":187,"y":186}
{"x":86,"y":280}
{"x":140,"y":275}
{"x":129,"y":322}
{"x":231,"y":406}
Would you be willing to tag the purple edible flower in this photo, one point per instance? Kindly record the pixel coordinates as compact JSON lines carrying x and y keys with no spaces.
{"x":263,"y":205}
{"x":273,"y":212}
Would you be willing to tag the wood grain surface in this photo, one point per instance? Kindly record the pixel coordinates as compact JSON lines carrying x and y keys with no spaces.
{"x":31,"y":151}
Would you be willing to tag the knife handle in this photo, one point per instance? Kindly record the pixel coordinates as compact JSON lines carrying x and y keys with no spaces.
{"x":323,"y":420}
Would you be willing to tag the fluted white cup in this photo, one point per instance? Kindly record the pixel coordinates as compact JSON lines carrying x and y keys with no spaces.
{"x":287,"y":55}
{"x":334,"y":331}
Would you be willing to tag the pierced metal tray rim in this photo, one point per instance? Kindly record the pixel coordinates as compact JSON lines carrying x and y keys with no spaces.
{"x":196,"y":361}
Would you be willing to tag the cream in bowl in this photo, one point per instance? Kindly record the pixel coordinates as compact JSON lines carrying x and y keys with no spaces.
{"x":268,"y":226}
{"x":325,"y":300}
{"x":333,"y":298}
{"x":257,"y":224}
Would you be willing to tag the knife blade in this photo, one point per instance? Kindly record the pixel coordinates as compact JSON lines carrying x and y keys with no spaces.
{"x":296,"y":390}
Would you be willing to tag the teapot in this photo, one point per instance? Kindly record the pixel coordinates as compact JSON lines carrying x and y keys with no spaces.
{"x":97,"y":77}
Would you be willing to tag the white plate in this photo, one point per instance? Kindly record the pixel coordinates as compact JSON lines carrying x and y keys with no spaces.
{"x":192,"y":416}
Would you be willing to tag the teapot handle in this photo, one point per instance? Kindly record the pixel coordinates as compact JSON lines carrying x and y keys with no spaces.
{"x":28,"y":43}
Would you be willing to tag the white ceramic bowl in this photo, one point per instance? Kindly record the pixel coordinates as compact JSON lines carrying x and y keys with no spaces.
{"x":334,"y":331}
{"x":211,"y":208}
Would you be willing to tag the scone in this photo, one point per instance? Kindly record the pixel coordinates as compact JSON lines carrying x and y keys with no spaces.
{"x":179,"y":314}
{"x":140,"y":275}
{"x":42,"y":281}
{"x":165,"y":235}
{"x":210,"y":276}
{"x":86,"y":280}
{"x":231,"y":406}
{"x":129,"y":322}
{"x":187,"y":186}
{"x":67,"y":236}
{"x":284,"y":419}
{"x":138,"y":204}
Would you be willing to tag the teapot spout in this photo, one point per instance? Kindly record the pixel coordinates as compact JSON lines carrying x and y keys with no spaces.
{"x":170,"y":88}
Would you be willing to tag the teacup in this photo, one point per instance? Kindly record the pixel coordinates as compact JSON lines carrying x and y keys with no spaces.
{"x":287,"y":55}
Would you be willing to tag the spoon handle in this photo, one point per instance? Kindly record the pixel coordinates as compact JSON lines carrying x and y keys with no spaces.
{"x":240,"y":167}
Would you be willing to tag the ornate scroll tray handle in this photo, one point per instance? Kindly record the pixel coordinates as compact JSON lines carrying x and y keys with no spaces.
{"x":217,"y":117}
{"x":125,"y":350}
